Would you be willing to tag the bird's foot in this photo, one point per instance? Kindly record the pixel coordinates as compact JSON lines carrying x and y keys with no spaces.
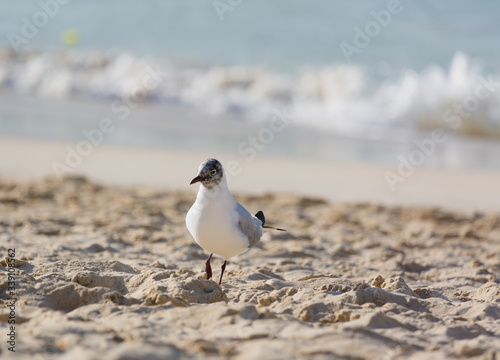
{"x":223,"y":267}
{"x":208,"y":268}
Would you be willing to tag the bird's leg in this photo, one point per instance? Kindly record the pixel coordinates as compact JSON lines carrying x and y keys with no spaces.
{"x":223,"y":267}
{"x":208,"y":268}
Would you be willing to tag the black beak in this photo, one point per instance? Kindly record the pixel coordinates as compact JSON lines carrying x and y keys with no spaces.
{"x":195,"y":180}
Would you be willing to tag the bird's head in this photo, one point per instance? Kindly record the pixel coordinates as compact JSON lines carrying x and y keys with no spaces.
{"x":210,"y":173}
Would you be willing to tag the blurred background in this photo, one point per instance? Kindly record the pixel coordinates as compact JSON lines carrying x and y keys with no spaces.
{"x":359,"y":81}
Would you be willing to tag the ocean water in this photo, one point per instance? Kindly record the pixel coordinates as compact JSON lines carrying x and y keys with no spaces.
{"x":373,"y":70}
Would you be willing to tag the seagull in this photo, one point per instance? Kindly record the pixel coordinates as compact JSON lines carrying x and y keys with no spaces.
{"x":217,"y":222}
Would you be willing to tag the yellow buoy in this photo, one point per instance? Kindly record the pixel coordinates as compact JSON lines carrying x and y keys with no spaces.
{"x":70,"y":36}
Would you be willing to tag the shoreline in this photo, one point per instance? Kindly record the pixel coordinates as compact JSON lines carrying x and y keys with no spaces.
{"x":346,"y":182}
{"x":160,"y":125}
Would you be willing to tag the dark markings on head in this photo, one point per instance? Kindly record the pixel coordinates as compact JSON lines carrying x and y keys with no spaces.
{"x":211,"y":172}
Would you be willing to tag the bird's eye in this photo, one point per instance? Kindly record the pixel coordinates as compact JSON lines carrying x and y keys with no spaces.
{"x":213,"y":172}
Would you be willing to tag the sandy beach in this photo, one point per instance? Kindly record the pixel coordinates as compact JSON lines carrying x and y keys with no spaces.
{"x":465,"y":189}
{"x":110,"y":271}
{"x":370,"y":130}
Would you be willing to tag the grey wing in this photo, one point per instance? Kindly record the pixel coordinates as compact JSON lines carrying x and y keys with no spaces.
{"x":249,"y":225}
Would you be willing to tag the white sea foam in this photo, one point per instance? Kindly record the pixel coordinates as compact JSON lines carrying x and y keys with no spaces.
{"x":339,"y":98}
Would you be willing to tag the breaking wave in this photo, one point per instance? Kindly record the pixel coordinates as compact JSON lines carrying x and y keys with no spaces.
{"x":340,"y":98}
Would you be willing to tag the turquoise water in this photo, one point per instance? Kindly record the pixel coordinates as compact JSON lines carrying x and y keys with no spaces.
{"x":280,"y":33}
{"x":370,"y":70}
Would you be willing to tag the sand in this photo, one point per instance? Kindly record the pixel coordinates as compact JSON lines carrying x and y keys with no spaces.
{"x":108,"y":271}
{"x":471,"y":189}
